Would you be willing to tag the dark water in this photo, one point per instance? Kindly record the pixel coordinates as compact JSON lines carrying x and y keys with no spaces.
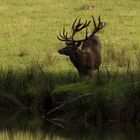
{"x":25,"y":125}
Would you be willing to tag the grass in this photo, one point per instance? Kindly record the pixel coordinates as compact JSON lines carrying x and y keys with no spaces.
{"x":34,"y":75}
{"x":107,"y":96}
{"x":28,"y":29}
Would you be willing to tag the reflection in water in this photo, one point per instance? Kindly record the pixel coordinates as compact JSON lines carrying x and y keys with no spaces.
{"x":23,"y":125}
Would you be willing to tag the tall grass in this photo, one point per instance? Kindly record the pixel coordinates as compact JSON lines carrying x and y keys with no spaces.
{"x":34,"y":75}
{"x":112,"y":94}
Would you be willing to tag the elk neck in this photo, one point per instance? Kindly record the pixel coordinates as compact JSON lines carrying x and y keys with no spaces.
{"x":76,"y":59}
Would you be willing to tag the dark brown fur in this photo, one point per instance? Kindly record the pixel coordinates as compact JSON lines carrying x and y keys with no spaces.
{"x":88,"y":58}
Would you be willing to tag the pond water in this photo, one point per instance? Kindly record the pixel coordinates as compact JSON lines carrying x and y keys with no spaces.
{"x":25,"y":125}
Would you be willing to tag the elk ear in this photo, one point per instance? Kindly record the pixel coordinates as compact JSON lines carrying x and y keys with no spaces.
{"x":78,"y":44}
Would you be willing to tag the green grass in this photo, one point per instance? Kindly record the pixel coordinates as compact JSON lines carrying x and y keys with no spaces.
{"x":28,"y":30}
{"x":34,"y":75}
{"x":73,"y":88}
{"x":111,"y":95}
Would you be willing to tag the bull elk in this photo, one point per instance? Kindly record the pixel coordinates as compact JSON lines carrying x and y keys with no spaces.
{"x":87,"y":58}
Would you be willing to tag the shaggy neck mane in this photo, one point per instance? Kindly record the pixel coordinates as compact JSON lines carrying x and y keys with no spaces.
{"x":75,"y":59}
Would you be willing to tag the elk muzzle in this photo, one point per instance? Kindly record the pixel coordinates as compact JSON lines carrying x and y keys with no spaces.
{"x":66,"y":51}
{"x":60,"y":51}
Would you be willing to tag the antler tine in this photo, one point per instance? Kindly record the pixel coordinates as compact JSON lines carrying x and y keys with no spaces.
{"x":86,"y":32}
{"x":65,"y":33}
{"x":101,"y":24}
{"x":63,"y":36}
{"x":73,"y":25}
{"x":87,"y":23}
{"x":95,"y":26}
{"x":99,"y":19}
{"x":79,"y":26}
{"x":60,"y":38}
{"x":79,"y":22}
{"x":84,"y":25}
{"x":76,"y":26}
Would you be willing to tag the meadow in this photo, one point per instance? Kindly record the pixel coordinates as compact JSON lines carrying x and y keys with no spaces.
{"x":28,"y":30}
{"x":33,"y":75}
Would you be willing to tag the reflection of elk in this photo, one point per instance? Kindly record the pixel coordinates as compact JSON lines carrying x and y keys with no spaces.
{"x":87,"y":58}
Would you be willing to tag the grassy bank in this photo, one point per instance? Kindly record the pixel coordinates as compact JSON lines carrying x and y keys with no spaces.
{"x":34,"y":76}
{"x":111,"y":95}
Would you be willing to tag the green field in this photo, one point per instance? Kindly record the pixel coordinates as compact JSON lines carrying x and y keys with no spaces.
{"x":29,"y":28}
{"x":33,"y":73}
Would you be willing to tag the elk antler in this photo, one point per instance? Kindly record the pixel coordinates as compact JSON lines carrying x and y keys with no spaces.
{"x":98,"y":27}
{"x":79,"y":26}
{"x":75,"y":28}
{"x":63,"y":36}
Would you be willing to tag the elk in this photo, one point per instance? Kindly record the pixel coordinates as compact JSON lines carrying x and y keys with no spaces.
{"x":88,"y":58}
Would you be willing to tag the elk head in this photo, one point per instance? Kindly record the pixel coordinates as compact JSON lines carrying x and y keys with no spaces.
{"x":71,"y":43}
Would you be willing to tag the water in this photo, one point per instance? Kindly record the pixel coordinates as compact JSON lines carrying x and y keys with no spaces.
{"x":25,"y":125}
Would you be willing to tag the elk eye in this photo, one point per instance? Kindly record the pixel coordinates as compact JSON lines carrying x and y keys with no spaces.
{"x":67,"y":43}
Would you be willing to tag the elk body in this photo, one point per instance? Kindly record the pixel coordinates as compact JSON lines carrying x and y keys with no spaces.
{"x":87,"y":58}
